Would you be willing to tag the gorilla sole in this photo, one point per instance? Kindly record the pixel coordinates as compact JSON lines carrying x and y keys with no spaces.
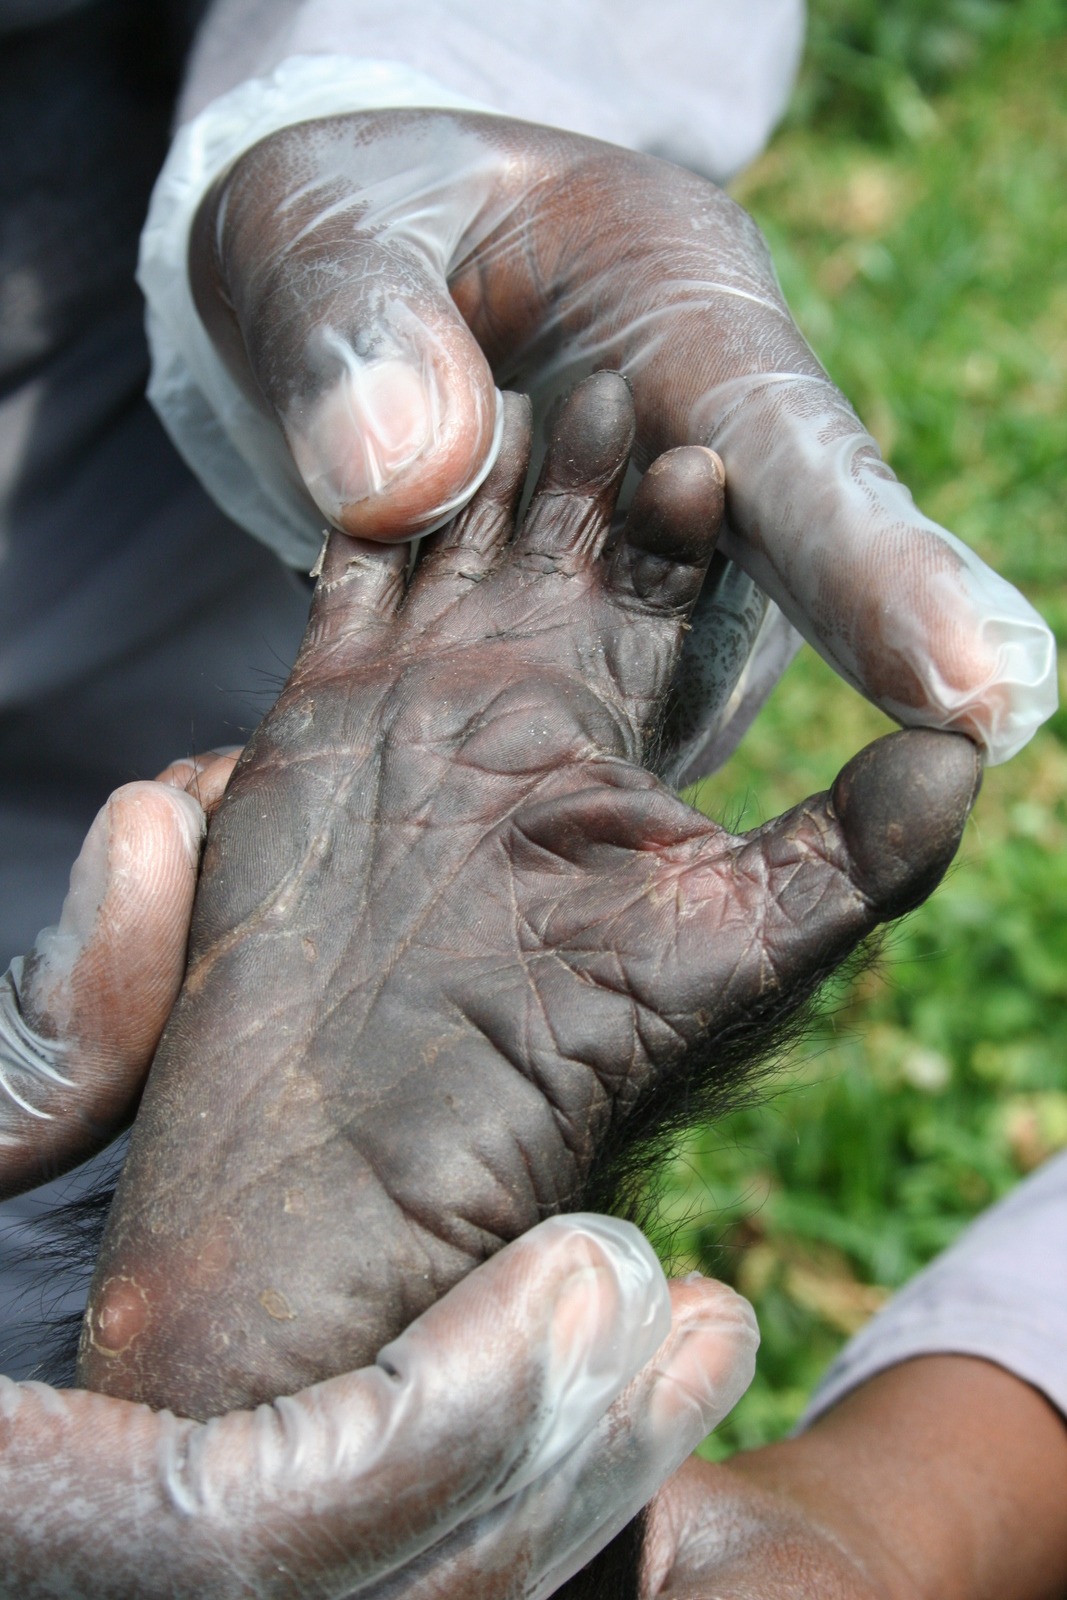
{"x":450,"y":935}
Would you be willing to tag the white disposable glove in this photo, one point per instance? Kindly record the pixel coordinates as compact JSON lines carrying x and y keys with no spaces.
{"x":81,"y":1015}
{"x":500,"y":1441}
{"x":368,"y":279}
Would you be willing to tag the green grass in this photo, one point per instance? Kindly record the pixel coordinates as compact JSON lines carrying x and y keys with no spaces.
{"x":915,"y":206}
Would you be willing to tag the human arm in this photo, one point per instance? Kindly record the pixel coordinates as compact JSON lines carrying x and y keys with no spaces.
{"x":936,"y":1463}
{"x":944,"y":1476}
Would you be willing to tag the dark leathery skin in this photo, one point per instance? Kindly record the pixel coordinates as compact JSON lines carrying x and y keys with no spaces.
{"x":448,"y":928}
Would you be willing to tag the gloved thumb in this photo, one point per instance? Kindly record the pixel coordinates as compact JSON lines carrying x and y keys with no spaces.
{"x":329,"y":299}
{"x":81,"y":1015}
{"x":394,"y":432}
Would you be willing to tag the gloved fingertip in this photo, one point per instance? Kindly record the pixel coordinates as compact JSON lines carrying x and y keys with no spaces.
{"x":109,"y":972}
{"x":144,"y":817}
{"x":391,"y":450}
{"x":1014,"y":670}
{"x":137,"y":826}
{"x":709,"y":1359}
{"x":191,"y":819}
{"x":611,"y":1312}
{"x":183,"y":770}
{"x":613,"y":1308}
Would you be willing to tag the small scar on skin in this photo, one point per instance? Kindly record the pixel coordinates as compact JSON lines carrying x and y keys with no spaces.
{"x":310,"y":953}
{"x":120,"y":1316}
{"x":295,"y":1203}
{"x":277,"y":1306}
{"x":215,"y":1258}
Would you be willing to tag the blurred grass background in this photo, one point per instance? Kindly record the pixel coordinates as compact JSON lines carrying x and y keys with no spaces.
{"x":916,"y":205}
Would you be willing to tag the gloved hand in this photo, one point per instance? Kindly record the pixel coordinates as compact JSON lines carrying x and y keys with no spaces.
{"x":81,"y":1015}
{"x":509,"y":1432}
{"x":368,"y":277}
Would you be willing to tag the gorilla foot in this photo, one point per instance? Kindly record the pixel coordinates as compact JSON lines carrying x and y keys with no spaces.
{"x":450,"y":933}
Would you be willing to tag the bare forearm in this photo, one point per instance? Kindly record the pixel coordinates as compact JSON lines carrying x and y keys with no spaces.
{"x":943,"y":1477}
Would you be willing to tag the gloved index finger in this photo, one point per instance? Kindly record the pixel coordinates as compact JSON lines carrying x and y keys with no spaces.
{"x":693,"y":316}
{"x":897,"y":605}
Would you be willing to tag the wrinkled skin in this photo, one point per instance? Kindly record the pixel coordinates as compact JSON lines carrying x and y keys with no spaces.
{"x":449,"y":930}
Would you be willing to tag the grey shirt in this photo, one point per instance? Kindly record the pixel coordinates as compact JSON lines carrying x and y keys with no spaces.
{"x":699,"y":82}
{"x":1000,"y":1292}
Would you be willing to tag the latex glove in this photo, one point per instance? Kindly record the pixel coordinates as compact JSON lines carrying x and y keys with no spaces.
{"x":467,"y":1463}
{"x":368,"y":277}
{"x":81,"y":1015}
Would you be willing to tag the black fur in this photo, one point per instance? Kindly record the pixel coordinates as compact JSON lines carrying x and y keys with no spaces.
{"x":719,"y":1074}
{"x":61,"y":1248}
